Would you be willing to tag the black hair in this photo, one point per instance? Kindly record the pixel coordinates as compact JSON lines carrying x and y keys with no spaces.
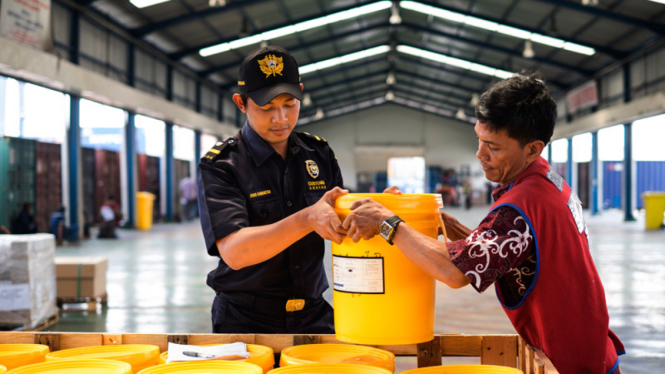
{"x":521,"y":105}
{"x":244,"y":98}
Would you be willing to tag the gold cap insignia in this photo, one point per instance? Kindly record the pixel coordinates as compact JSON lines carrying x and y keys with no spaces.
{"x":312,"y":168}
{"x":271,"y":65}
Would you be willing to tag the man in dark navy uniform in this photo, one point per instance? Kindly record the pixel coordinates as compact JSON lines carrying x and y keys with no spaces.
{"x":265,"y":198}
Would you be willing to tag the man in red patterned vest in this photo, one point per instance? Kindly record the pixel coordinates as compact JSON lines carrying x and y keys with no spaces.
{"x":533,"y":243}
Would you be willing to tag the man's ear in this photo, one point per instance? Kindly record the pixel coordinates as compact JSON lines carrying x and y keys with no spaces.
{"x":238,"y":100}
{"x":533,"y":150}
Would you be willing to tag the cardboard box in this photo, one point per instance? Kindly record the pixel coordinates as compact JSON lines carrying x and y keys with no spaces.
{"x":80,"y":277}
{"x":27,"y":279}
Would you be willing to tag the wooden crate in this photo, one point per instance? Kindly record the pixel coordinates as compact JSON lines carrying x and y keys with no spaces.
{"x":504,"y":350}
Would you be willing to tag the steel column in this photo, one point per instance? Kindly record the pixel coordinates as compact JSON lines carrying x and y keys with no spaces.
{"x":130,"y":65}
{"x":628,"y":171}
{"x":594,"y":173}
{"x":74,"y":37}
{"x":569,"y":163}
{"x":168,"y":157}
{"x":130,"y":156}
{"x":73,"y":150}
{"x":197,"y":148}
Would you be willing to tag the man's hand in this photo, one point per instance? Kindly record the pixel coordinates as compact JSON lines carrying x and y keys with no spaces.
{"x":393,"y":190}
{"x":323,"y":219}
{"x":365,"y":219}
{"x":454,"y":229}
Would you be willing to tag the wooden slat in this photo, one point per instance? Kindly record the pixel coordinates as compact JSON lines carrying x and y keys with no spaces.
{"x":76,"y":340}
{"x":429,"y":353}
{"x":548,"y":367}
{"x":50,"y":339}
{"x":306,"y":339}
{"x":499,"y":350}
{"x":111,"y":339}
{"x":160,"y":340}
{"x":461,"y":345}
{"x":17,"y":337}
{"x":521,"y":354}
{"x":177,"y":339}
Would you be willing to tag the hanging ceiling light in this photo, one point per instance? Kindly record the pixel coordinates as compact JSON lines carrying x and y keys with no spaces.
{"x":460,"y":114}
{"x":319,"y":114}
{"x":306,"y":100}
{"x":214,"y":3}
{"x":528,"y":50}
{"x":264,"y":44}
{"x":395,"y":19}
{"x":390,"y":96}
{"x":391,"y":79}
{"x":475,"y":98}
{"x":590,"y":2}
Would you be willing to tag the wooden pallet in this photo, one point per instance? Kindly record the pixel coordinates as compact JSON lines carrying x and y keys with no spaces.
{"x":82,"y":304}
{"x":504,"y":350}
{"x":13,"y":326}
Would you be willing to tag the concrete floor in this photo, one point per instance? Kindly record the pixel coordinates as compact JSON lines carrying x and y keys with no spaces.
{"x":156,"y":284}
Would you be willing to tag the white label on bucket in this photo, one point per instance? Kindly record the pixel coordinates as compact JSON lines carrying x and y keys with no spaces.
{"x":363,"y":275}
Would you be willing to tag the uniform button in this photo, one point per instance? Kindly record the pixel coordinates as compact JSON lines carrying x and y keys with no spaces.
{"x":296,"y":267}
{"x":264,"y":214}
{"x":289,"y":203}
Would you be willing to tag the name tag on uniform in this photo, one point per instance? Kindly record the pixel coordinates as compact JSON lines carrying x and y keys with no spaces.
{"x":260,"y":193}
{"x":316,"y":185}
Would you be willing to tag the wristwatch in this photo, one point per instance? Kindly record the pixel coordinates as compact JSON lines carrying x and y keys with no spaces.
{"x":389,"y":227}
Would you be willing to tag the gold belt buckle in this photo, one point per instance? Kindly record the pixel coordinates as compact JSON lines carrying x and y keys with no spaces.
{"x":295,"y":305}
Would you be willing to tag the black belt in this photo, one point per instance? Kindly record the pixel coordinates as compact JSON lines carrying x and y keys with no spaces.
{"x":267,"y":303}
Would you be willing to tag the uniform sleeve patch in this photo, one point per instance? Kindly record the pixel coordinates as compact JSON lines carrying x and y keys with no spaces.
{"x":555,"y":178}
{"x":217,"y":149}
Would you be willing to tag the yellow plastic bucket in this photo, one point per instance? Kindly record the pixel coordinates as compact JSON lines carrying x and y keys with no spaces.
{"x":3,"y":369}
{"x":17,"y":355}
{"x":330,"y":369}
{"x":89,"y":366}
{"x":380,"y":296}
{"x":654,"y":207}
{"x":144,"y":201}
{"x":139,"y":356}
{"x":207,"y":367}
{"x":258,"y":355}
{"x":464,"y":369}
{"x":337,"y":354}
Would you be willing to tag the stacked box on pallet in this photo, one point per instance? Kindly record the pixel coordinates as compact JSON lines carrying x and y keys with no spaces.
{"x":27,"y":279}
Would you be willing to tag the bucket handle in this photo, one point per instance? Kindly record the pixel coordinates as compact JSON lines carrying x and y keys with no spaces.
{"x":442,"y":226}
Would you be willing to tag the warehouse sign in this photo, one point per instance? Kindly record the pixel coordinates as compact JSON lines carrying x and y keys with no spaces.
{"x":27,"y":21}
{"x":582,"y":97}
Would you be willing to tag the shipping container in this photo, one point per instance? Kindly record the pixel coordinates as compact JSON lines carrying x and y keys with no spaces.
{"x":612,"y":184}
{"x":48,"y":177}
{"x":89,"y":181}
{"x":148,"y":175}
{"x":650,"y":177}
{"x":583,"y":183}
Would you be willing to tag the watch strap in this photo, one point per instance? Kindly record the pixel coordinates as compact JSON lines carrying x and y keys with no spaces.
{"x":393,"y":221}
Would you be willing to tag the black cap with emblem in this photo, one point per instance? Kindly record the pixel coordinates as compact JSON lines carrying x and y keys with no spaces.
{"x":268,"y":72}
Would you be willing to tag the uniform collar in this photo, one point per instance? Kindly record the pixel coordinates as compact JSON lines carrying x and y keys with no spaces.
{"x":261,"y":150}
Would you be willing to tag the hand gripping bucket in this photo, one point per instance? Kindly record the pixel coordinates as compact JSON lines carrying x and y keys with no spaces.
{"x":84,"y":366}
{"x":380,"y":296}
{"x":330,"y":369}
{"x":464,"y":369}
{"x":337,"y":354}
{"x":258,"y":355}
{"x":17,"y":355}
{"x":205,"y":367}
{"x":139,"y":356}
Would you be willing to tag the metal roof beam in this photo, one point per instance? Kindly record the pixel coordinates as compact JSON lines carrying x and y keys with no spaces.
{"x":347,"y":81}
{"x":207,"y":12}
{"x":438,"y":81}
{"x":599,"y":12}
{"x":187,"y":51}
{"x":298,"y":47}
{"x":616,"y":54}
{"x":507,"y":51}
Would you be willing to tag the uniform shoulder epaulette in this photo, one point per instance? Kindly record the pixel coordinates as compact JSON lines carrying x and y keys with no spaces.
{"x":317,"y":138}
{"x":217,"y":149}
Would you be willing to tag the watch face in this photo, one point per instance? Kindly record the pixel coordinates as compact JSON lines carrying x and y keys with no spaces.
{"x":385,"y":230}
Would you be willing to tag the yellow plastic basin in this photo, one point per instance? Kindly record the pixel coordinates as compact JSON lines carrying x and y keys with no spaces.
{"x":258,"y":355}
{"x":464,"y":369}
{"x":380,"y":296}
{"x":207,"y":367}
{"x":86,"y":366}
{"x":139,"y":356}
{"x":3,"y":369}
{"x":330,"y":369}
{"x":17,"y":355}
{"x":337,"y":354}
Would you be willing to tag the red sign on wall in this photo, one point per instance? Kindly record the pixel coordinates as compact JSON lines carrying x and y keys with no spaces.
{"x":582,"y":97}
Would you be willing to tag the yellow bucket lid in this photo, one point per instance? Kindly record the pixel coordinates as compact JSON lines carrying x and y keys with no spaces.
{"x":207,"y":367}
{"x":16,"y":355}
{"x":3,"y":369}
{"x":137,"y":355}
{"x":330,"y":369}
{"x":89,"y":366}
{"x":464,"y":369}
{"x":407,"y":202}
{"x":258,"y":354}
{"x":337,"y":354}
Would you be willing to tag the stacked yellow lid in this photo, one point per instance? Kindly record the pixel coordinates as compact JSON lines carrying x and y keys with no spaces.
{"x":82,"y":366}
{"x":464,"y":369}
{"x":258,"y":355}
{"x":337,"y":354}
{"x":330,"y":369}
{"x":139,"y":356}
{"x":3,"y":369}
{"x":17,"y":355}
{"x":207,"y":367}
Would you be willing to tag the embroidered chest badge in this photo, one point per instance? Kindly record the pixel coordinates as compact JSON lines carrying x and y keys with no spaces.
{"x":312,"y":168}
{"x":271,"y":65}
